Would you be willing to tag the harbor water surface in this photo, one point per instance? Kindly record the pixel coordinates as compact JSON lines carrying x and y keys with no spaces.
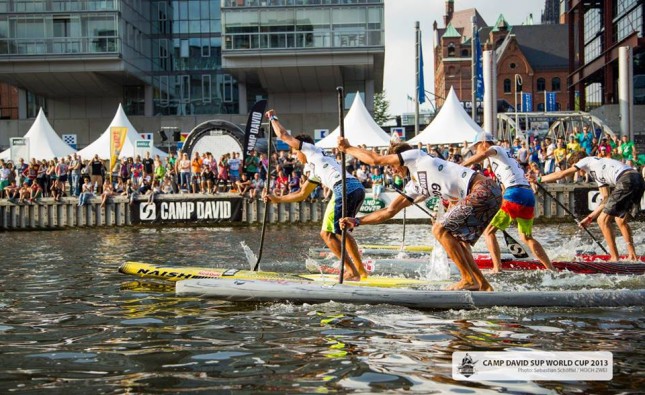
{"x":70,"y":323}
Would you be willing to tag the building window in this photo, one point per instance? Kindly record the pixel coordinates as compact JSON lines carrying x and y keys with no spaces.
{"x":540,"y":107}
{"x":451,"y":50}
{"x":206,"y":88}
{"x":227,"y":89}
{"x":555,"y":84}
{"x":512,"y":65}
{"x":541,"y":84}
{"x":464,"y":53}
{"x":507,"y":85}
{"x":593,"y":96}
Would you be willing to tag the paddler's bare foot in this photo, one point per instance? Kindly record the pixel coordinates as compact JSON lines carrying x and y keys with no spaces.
{"x":496,"y":270}
{"x":463,"y":286}
{"x":351,"y":277}
{"x":614,"y":258}
{"x":486,"y":287}
{"x":632,"y":258}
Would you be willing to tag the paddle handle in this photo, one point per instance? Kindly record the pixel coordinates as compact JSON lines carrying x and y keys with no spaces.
{"x":267,"y":185}
{"x":343,"y":179}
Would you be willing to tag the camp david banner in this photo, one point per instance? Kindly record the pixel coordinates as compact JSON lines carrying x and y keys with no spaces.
{"x":194,"y":210}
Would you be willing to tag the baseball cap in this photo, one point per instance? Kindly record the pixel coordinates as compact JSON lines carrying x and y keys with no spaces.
{"x":482,"y":137}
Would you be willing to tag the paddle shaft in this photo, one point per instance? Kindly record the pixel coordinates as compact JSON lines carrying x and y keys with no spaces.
{"x":266,"y":203}
{"x":514,"y":247}
{"x":572,"y":216}
{"x":343,"y":237}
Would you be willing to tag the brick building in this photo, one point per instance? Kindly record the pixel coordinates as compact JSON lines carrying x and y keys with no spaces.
{"x":536,"y":54}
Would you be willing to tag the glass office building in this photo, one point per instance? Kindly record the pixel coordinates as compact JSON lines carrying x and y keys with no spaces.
{"x":167,"y":61}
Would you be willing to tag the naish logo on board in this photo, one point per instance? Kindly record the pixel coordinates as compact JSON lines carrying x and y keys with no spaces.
{"x":186,"y":210}
{"x":163,"y":273}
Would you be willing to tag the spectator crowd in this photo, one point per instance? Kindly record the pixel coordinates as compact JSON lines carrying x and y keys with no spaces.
{"x":27,"y":182}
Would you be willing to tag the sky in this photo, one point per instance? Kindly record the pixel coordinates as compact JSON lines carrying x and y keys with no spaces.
{"x":400,"y":18}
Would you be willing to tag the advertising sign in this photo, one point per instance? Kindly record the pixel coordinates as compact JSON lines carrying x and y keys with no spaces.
{"x":189,"y":210}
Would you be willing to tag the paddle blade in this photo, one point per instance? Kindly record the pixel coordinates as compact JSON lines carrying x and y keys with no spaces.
{"x":514,"y":247}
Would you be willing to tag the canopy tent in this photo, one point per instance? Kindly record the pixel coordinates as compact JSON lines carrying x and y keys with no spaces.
{"x":101,"y":146}
{"x":452,"y":125}
{"x":360,"y":129}
{"x":44,"y":143}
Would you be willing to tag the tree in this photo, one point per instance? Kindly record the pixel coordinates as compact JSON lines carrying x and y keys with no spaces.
{"x":381,"y":107}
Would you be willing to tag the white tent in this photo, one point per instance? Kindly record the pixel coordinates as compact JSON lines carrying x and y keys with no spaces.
{"x":360,"y":128}
{"x":101,"y":146}
{"x":452,"y":125}
{"x":44,"y":143}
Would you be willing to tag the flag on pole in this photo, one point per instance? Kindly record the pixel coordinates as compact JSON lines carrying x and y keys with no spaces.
{"x":479,"y":68}
{"x":421,"y":95}
{"x":550,"y":101}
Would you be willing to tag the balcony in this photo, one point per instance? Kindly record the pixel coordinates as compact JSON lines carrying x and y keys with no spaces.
{"x":58,"y":46}
{"x":292,"y":3}
{"x":33,"y":6}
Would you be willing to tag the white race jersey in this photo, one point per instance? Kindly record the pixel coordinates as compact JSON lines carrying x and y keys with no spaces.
{"x":604,"y":171}
{"x":323,"y":169}
{"x":435,"y":177}
{"x":506,"y":168}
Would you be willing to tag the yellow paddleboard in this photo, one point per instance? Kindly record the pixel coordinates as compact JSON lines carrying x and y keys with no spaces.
{"x":410,"y":248}
{"x":175,"y":273}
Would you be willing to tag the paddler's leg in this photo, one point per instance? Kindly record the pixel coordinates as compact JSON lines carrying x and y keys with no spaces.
{"x":462,"y":226}
{"x":604,"y":222}
{"x":490,"y":235}
{"x":333,"y":242}
{"x":626,"y":231}
{"x":537,"y":250}
{"x":331,"y":235}
{"x":355,"y":197}
{"x":456,"y":252}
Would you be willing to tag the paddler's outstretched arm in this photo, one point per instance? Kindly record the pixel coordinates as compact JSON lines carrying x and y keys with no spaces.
{"x":297,"y":196}
{"x":365,"y":156}
{"x":281,"y":132}
{"x":397,"y":204}
{"x":478,"y":157}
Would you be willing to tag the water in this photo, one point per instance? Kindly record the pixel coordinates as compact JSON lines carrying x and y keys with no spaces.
{"x":70,"y":323}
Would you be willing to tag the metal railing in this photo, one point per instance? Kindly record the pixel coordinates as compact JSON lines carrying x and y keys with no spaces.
{"x":283,"y":3}
{"x":30,"y":6}
{"x":60,"y":46}
{"x":284,"y":40}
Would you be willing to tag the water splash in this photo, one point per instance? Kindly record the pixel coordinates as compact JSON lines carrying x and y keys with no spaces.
{"x":249,"y":254}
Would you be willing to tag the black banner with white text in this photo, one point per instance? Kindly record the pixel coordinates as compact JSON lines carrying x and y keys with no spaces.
{"x":188,"y":210}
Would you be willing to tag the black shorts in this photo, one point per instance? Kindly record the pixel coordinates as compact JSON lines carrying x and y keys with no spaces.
{"x":626,"y":197}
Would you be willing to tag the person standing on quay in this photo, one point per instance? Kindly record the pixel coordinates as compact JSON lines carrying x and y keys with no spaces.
{"x":475,"y":199}
{"x":327,"y":171}
{"x":518,"y":202}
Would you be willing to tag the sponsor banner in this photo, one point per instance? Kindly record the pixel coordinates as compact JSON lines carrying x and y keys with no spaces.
{"x":19,"y":148}
{"x":142,"y":146}
{"x":252,"y":132}
{"x":188,"y":210}
{"x":117,"y":140}
{"x":370,"y":205}
{"x":71,"y":140}
{"x":594,"y":198}
{"x":320,"y":134}
{"x":533,"y":365}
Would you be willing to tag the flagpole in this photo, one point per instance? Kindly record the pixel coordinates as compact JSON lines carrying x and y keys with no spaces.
{"x":473,"y":85}
{"x":418,"y":69}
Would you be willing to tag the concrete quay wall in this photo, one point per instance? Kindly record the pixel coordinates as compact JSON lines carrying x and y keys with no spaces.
{"x":230,"y":209}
